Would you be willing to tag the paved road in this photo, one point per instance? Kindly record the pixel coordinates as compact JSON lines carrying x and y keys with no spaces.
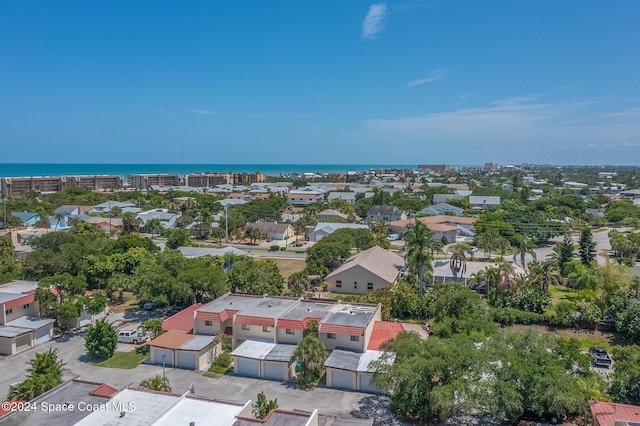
{"x":328,"y":401}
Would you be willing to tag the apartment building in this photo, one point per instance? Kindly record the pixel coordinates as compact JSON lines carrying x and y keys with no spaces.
{"x":13,"y":186}
{"x":244,"y":178}
{"x":144,"y":182}
{"x":209,"y":179}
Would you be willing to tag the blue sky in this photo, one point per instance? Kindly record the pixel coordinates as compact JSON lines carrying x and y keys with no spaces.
{"x":345,"y":81}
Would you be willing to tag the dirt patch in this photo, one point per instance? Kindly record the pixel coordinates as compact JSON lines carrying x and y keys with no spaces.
{"x":288,"y":266}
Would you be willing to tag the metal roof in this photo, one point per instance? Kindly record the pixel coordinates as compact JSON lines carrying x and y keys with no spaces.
{"x":198,"y":343}
{"x":12,"y":331}
{"x":30,"y":323}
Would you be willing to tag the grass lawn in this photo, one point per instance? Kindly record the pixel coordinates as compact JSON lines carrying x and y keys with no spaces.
{"x":587,"y":338}
{"x":560,"y":293}
{"x":288,"y":266}
{"x":124,"y":360}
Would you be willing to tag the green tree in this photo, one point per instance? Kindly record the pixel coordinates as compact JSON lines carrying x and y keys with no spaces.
{"x":253,"y":234}
{"x":153,"y":326}
{"x":419,"y":242}
{"x":178,"y":238}
{"x":298,"y":283}
{"x":311,"y":354}
{"x":44,"y":373}
{"x":206,"y":279}
{"x":156,"y":383}
{"x":130,"y":223}
{"x":154,"y":226}
{"x":587,"y":251}
{"x":256,"y":277}
{"x":625,"y":386}
{"x":101,"y":340}
{"x":262,"y":407}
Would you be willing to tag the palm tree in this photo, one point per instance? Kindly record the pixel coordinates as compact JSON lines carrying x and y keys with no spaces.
{"x":527,"y":246}
{"x":311,"y":354}
{"x":419,"y":244}
{"x":545,"y":273}
{"x":58,"y":217}
{"x":156,"y":383}
{"x":508,"y":278}
{"x":458,"y":260}
{"x":154,"y":225}
{"x":262,"y":407}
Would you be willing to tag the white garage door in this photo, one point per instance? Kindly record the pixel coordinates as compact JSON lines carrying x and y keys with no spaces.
{"x":273,"y":370}
{"x":42,"y":335}
{"x":186,"y":360}
{"x":168,"y":359}
{"x":365,"y":384}
{"x":342,"y":379}
{"x":248,"y":367}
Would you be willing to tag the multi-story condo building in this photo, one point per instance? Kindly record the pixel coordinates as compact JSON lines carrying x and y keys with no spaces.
{"x":209,"y":179}
{"x":12,"y":186}
{"x":146,"y":181}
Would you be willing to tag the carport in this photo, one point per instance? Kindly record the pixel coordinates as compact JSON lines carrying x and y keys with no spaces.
{"x":351,"y":370}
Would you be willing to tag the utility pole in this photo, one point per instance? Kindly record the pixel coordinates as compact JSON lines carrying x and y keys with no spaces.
{"x":636,"y":280}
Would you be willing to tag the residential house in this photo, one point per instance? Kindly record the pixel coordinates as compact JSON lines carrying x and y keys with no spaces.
{"x":349,"y":197}
{"x":596,"y":213}
{"x":167,"y":219}
{"x":273,"y":230}
{"x":630,"y":193}
{"x":441,"y":209}
{"x":482,"y":202}
{"x":611,"y":414}
{"x":368,"y":270}
{"x":386,"y":213}
{"x":27,"y":218}
{"x":331,"y":215}
{"x":107,"y":224}
{"x":106,"y":207}
{"x":443,"y":226}
{"x":64,"y":215}
{"x":304,"y":199}
{"x":322,"y":229}
{"x":443,"y":198}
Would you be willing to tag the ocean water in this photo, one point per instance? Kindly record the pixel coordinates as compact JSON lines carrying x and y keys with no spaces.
{"x":55,"y":169}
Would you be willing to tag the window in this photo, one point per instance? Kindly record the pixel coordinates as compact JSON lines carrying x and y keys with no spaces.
{"x":245,"y":326}
{"x":8,"y":311}
{"x":355,"y":284}
{"x":339,"y":284}
{"x":289,"y":331}
{"x":26,"y":306}
{"x":266,"y":329}
{"x":331,"y":336}
{"x":369,"y":286}
{"x":355,"y":338}
{"x":208,"y":323}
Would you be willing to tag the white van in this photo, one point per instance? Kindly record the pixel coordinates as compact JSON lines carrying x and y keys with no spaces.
{"x":132,"y":336}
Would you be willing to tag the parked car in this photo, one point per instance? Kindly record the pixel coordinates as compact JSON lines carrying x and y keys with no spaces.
{"x":553,"y":418}
{"x":393,"y":237}
{"x":600,"y":357}
{"x":148,"y":306}
{"x":132,"y":336}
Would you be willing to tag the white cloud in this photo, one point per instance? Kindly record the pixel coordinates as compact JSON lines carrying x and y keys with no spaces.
{"x":202,"y":111}
{"x":373,"y":24}
{"x":520,"y":129}
{"x":167,"y":114}
{"x":433,"y":75}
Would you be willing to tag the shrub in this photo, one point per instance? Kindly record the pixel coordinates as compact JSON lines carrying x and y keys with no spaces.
{"x":274,"y":248}
{"x":223,"y":360}
{"x":510,"y":316}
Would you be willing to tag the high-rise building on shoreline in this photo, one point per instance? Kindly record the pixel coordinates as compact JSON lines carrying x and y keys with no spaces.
{"x":11,"y":186}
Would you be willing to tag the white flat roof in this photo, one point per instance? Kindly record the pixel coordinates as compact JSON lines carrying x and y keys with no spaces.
{"x":198,"y":343}
{"x":19,"y":286}
{"x":254,"y":349}
{"x":12,"y":331}
{"x":30,"y":323}
{"x":201,"y":412}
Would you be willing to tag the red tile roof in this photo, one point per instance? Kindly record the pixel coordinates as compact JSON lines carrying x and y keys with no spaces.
{"x":383,"y":331}
{"x":606,"y":413}
{"x":183,"y":320}
{"x":104,"y":391}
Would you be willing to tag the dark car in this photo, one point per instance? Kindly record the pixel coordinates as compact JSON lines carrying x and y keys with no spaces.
{"x":600,"y":357}
{"x":553,"y":418}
